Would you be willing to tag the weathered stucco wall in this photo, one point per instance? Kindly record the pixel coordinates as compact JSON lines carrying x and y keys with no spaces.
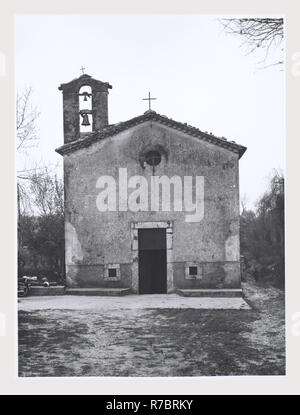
{"x":94,"y":238}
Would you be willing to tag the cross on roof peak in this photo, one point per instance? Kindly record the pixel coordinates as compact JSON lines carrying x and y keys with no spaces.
{"x":82,"y":69}
{"x":149,"y":99}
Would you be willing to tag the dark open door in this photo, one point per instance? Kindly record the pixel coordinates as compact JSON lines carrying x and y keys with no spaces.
{"x":152,"y":261}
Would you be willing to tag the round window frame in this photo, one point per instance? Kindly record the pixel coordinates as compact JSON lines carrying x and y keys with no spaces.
{"x":153,"y":158}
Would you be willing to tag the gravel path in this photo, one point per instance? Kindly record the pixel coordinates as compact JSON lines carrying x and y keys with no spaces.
{"x":76,"y":302}
{"x":152,"y":336}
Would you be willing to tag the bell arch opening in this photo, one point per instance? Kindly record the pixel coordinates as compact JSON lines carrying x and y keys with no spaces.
{"x":85,"y":109}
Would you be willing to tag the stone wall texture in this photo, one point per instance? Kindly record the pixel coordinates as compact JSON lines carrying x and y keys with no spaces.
{"x":95,"y":238}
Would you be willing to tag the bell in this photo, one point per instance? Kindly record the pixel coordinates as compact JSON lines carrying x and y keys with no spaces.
{"x":86,"y":95}
{"x":85,"y":119}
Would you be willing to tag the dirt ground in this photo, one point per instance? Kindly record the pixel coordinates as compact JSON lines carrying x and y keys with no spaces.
{"x":129,"y":302}
{"x":156,"y":342}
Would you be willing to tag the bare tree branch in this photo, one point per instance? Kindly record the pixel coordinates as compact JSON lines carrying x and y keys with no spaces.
{"x":26,"y":117}
{"x":47,"y":193}
{"x":264,"y":33}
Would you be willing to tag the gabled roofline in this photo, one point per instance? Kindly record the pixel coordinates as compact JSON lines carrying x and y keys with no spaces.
{"x":84,"y":79}
{"x":91,"y":138}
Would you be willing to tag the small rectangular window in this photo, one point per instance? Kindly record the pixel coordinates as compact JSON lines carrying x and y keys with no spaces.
{"x":193,"y":270}
{"x":112,"y":272}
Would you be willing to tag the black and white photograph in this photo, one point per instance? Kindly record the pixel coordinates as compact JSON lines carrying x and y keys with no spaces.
{"x":150,"y":205}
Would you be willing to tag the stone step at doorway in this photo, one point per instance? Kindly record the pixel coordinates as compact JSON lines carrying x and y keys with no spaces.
{"x":116,"y":292}
{"x":196,"y":292}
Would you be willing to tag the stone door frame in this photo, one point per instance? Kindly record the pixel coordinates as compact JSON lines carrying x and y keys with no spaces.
{"x":135,"y":226}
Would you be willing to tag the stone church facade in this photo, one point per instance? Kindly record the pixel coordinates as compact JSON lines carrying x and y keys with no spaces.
{"x":147,"y":251}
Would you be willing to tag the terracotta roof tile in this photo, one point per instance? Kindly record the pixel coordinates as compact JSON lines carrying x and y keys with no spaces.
{"x":90,"y":138}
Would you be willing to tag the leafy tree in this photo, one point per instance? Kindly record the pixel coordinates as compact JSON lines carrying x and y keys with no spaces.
{"x":41,"y":235}
{"x":262,"y":235}
{"x":40,"y":202}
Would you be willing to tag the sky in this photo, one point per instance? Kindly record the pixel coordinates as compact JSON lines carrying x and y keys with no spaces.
{"x":199,"y":74}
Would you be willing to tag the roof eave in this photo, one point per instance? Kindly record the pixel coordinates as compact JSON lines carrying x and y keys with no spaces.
{"x":149,"y":116}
